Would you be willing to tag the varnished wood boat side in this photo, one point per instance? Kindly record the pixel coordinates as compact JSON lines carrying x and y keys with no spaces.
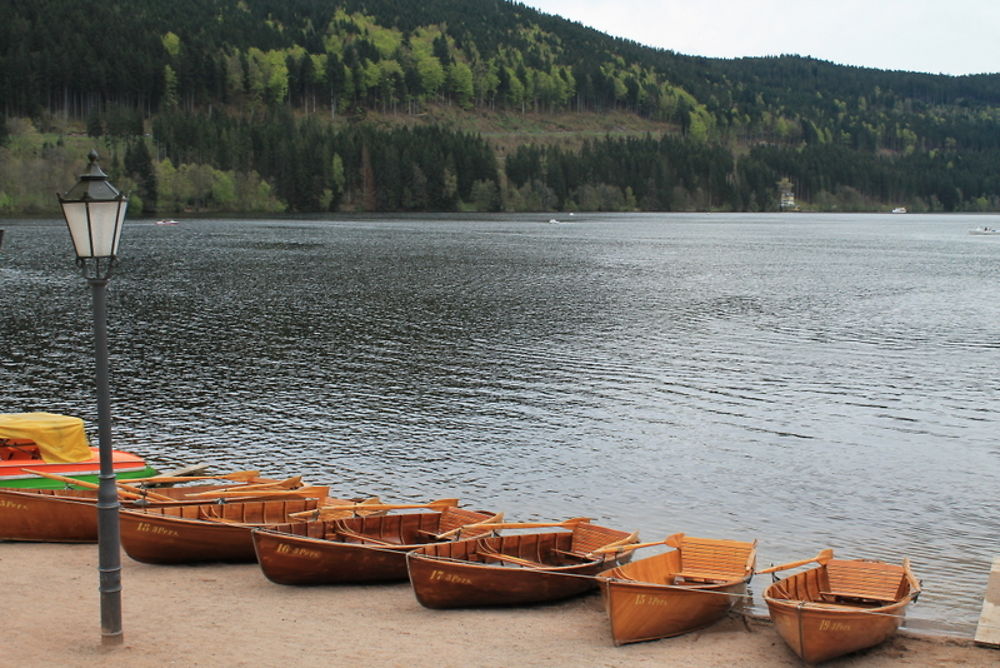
{"x":62,"y":515}
{"x":201,"y":532}
{"x":354,"y":550}
{"x":473,"y":572}
{"x":48,"y":516}
{"x":651,"y":598}
{"x":819,"y":626}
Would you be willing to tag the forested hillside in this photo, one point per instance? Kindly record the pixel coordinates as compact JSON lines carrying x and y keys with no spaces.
{"x":322,"y":105}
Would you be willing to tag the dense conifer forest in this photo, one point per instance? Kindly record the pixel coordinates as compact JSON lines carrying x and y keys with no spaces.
{"x":476,"y":105}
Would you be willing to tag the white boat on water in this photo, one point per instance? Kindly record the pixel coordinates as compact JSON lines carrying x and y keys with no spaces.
{"x":984,"y":230}
{"x":166,"y":222}
{"x":899,"y":209}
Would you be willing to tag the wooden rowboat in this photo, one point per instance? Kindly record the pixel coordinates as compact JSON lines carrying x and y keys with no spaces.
{"x":839,"y":606}
{"x":32,"y":442}
{"x":70,"y":515}
{"x":678,"y":591}
{"x":61,"y":515}
{"x":222,"y":531}
{"x":202,"y":532}
{"x":354,"y":550}
{"x":515,"y":569}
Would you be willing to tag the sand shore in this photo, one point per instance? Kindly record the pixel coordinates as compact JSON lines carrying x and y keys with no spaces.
{"x":230,"y":615}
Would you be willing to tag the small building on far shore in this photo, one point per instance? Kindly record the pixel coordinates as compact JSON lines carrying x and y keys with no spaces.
{"x":786,"y":195}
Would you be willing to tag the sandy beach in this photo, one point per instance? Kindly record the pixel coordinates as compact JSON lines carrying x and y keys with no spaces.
{"x":230,"y":615}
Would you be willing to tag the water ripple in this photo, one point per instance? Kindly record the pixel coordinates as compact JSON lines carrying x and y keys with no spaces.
{"x":809,"y":381}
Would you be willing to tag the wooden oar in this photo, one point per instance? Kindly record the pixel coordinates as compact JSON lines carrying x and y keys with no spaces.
{"x":302,"y":492}
{"x":821,"y":558}
{"x":310,"y":515}
{"x":457,"y":531}
{"x":225,"y":520}
{"x":500,"y":556}
{"x":236,"y":476}
{"x":276,"y":486}
{"x":125,"y":491}
{"x":565,"y":524}
{"x":439,"y":504}
{"x":333,"y":511}
{"x":341,"y":531}
{"x":288,"y":483}
{"x":619,"y":544}
{"x":911,"y":578}
{"x":612,"y":547}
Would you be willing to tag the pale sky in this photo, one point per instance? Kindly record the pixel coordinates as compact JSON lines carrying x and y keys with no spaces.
{"x":936,"y":36}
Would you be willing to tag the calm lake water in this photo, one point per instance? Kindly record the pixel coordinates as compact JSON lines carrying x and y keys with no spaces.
{"x":807,"y":380}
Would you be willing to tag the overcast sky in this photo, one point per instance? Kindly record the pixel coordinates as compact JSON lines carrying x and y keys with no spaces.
{"x":936,"y":36}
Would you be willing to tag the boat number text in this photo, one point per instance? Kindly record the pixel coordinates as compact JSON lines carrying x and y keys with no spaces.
{"x":297,"y":551}
{"x":827,"y":625}
{"x":441,"y":576}
{"x":4,"y":503}
{"x":146,"y":527}
{"x":645,"y":599}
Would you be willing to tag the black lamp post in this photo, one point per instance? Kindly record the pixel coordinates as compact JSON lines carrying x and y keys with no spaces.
{"x":95,"y":212}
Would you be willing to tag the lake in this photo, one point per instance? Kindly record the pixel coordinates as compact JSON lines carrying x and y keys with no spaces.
{"x":807,"y":380}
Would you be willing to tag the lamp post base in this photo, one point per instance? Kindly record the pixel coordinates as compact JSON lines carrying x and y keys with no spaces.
{"x":112,"y":640}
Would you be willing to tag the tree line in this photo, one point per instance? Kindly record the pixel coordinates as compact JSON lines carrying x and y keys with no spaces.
{"x":200,"y":100}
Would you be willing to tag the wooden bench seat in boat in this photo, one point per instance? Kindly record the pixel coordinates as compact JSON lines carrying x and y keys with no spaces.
{"x":712,"y":560}
{"x":863,"y":580}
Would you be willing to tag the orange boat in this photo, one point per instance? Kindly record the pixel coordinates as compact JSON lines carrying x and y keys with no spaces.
{"x":70,"y":515}
{"x":52,"y":443}
{"x":516,"y":569}
{"x":222,"y":530}
{"x":678,"y":591}
{"x":219,"y":531}
{"x":357,"y":549}
{"x":839,"y":606}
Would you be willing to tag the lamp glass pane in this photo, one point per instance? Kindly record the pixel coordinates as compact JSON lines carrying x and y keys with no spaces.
{"x":105,"y":221}
{"x":76,"y":219}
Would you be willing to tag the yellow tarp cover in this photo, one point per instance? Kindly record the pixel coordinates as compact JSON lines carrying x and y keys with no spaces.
{"x":60,"y":438}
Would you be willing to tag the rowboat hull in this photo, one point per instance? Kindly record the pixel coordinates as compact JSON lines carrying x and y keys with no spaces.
{"x":640,"y":612}
{"x":202,"y":532}
{"x":463,"y":574}
{"x":818,"y":633}
{"x":126,"y":465}
{"x":817,"y":630}
{"x":678,"y":591}
{"x":27,"y":515}
{"x":644,"y":610}
{"x":332,"y":552}
{"x":289,"y":559}
{"x":61,"y":516}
